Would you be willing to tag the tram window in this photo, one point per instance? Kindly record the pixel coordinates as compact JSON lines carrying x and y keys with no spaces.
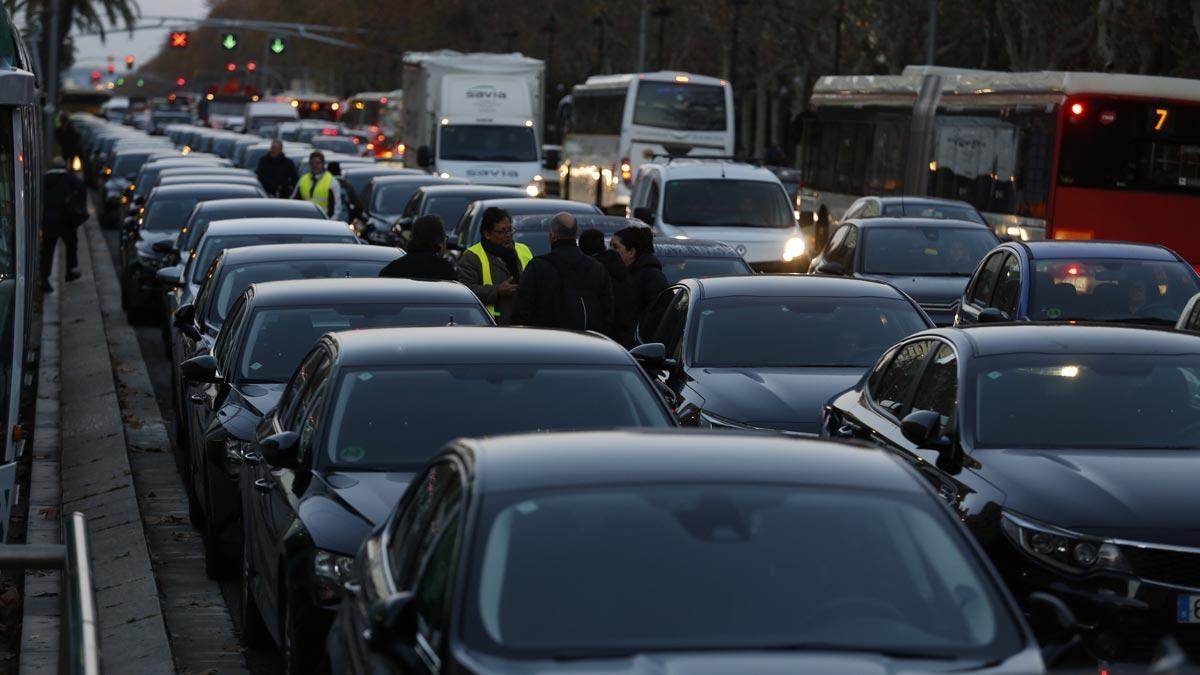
{"x":860,"y":154}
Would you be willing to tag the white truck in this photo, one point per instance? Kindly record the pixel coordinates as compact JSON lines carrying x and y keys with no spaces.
{"x":475,"y":116}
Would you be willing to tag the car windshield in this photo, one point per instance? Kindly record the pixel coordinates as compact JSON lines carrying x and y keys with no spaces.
{"x":935,"y":211}
{"x":746,"y":331}
{"x":1087,"y":401}
{"x":727,"y":203}
{"x":451,"y":209}
{"x":235,"y":280}
{"x":278,"y":338}
{"x":682,"y":107}
{"x":487,"y":143}
{"x":398,"y":417}
{"x":677,"y":268}
{"x":168,"y":213}
{"x":1148,"y":291}
{"x":211,"y":247}
{"x":925,"y":251}
{"x":616,"y":571}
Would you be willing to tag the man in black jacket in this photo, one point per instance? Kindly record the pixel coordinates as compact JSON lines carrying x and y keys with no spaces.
{"x":425,"y":251}
{"x":565,"y":288}
{"x":276,"y":172}
{"x":591,"y":242}
{"x":64,"y":209}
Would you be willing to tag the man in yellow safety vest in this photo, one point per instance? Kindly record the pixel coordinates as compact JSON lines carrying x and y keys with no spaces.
{"x":492,"y":268}
{"x":319,"y":186}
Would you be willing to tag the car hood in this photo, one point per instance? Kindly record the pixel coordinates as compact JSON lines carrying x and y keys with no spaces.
{"x":370,"y":494}
{"x":927,"y":290}
{"x":755,"y":244}
{"x":1107,"y":493}
{"x":788,"y":399}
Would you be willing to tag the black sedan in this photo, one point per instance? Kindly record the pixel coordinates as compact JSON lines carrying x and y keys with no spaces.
{"x":355,"y":177}
{"x":614,"y":553}
{"x":1079,"y":281}
{"x":449,"y":202}
{"x":230,"y":209}
{"x":1069,"y":450}
{"x":696,"y":258}
{"x":466,"y":232}
{"x":364,"y":411}
{"x":930,"y":259}
{"x":384,"y":199}
{"x":270,"y":329}
{"x":167,"y":209}
{"x":767,"y":351}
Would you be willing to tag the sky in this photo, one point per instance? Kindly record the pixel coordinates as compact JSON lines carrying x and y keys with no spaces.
{"x":91,"y":53}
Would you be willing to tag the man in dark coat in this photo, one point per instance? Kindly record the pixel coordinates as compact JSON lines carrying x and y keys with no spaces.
{"x":426,"y":249}
{"x":565,"y":288}
{"x":64,"y":209}
{"x":276,"y":172}
{"x":591,"y":242}
{"x":635,"y":245}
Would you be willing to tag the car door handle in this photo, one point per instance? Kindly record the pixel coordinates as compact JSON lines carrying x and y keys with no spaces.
{"x":262,"y":485}
{"x":197,"y":398}
{"x":252,"y":458}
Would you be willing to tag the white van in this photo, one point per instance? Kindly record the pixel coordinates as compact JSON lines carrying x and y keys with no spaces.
{"x":263,"y":114}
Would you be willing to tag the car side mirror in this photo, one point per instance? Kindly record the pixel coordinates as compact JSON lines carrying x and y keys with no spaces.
{"x":280,"y":449}
{"x":169,"y":276}
{"x":644,"y":214}
{"x":202,"y":368}
{"x":164,"y":246}
{"x":831,"y":268}
{"x":924,"y":429}
{"x":139,"y":200}
{"x":424,"y":157}
{"x":992,"y":315}
{"x":393,"y":619}
{"x":652,"y":356}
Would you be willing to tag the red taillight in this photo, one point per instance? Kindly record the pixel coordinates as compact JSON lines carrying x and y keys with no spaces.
{"x":1073,"y":270}
{"x":626,"y":171}
{"x":329,"y":132}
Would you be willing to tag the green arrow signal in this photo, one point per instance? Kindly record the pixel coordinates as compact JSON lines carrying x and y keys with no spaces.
{"x":229,"y":41}
{"x":278,"y":45}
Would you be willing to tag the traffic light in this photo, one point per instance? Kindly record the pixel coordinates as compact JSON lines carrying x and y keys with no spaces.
{"x":120,"y":82}
{"x":231,"y":67}
{"x":95,"y":76}
{"x":180,"y":82}
{"x":229,"y":41}
{"x":129,"y":62}
{"x":110,"y":68}
{"x":141,"y":82}
{"x":179,"y":39}
{"x":251,"y":66}
{"x":278,"y":45}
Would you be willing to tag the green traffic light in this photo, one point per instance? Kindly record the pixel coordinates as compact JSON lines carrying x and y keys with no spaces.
{"x":278,"y":45}
{"x":229,"y":41}
{"x":120,"y":82}
{"x":141,"y":82}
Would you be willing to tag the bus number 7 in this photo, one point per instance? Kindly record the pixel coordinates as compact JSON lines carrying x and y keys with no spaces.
{"x":1162,"y":118}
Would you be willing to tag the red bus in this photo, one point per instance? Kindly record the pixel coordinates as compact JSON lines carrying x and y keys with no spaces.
{"x":1043,"y":155}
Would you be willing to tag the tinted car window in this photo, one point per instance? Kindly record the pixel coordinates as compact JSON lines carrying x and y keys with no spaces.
{"x":720,"y":202}
{"x":449,"y":208}
{"x":392,"y":198}
{"x":1008,"y":287}
{"x":424,"y":407}
{"x":925,"y":251}
{"x":211,"y":247}
{"x":168,"y":213}
{"x":938,"y":390}
{"x":985,"y":283}
{"x":782,"y":332}
{"x":1107,"y":290}
{"x":657,"y":561}
{"x":235,"y":280}
{"x":898,"y":379}
{"x":677,"y":268}
{"x":935,"y":211}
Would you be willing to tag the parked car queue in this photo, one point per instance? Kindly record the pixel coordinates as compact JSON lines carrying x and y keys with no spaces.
{"x":310,"y":416}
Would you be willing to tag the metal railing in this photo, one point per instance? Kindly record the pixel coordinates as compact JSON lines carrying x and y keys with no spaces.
{"x":79,"y":643}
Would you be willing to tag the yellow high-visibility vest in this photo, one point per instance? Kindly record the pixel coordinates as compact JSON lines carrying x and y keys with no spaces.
{"x":320,"y":195}
{"x":524,"y":254}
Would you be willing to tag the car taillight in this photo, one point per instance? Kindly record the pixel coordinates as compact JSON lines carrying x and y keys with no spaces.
{"x":626,"y":171}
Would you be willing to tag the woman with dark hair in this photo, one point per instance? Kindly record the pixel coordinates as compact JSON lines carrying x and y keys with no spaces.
{"x":635,"y":245}
{"x":425,"y":251}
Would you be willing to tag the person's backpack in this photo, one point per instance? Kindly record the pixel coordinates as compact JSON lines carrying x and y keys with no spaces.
{"x":579,"y":304}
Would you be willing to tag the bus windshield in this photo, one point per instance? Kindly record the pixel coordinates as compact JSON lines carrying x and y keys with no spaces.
{"x":683,"y":107}
{"x":727,"y":203}
{"x":487,"y":143}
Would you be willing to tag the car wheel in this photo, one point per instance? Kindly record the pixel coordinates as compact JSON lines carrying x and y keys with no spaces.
{"x":298,"y":655}
{"x":254,"y":631}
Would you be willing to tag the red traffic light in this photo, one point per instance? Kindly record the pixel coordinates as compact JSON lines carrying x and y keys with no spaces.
{"x":180,"y":82}
{"x":179,"y":39}
{"x":252,"y":66}
{"x":111,"y":69}
{"x":95,"y":76}
{"x":129,"y":60}
{"x":231,"y":67}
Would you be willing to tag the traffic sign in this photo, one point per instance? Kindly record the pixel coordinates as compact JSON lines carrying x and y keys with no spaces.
{"x":229,"y":41}
{"x":278,"y":45}
{"x":179,"y":39}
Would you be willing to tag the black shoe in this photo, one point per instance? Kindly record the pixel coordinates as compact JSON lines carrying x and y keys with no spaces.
{"x":72,"y":275}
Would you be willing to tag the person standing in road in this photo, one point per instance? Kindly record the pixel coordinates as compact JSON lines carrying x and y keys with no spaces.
{"x":425,"y":251}
{"x":63,"y":211}
{"x":591,"y":242}
{"x":565,"y":288}
{"x":635,"y":245}
{"x":276,"y":172}
{"x":493,"y":267}
{"x":67,"y":135}
{"x":319,"y":186}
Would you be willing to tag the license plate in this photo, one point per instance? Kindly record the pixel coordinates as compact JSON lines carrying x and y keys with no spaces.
{"x":1189,"y":609}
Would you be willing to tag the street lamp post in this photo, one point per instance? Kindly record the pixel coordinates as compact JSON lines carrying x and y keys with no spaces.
{"x":661,"y":12}
{"x":837,"y":37}
{"x":931,"y":45}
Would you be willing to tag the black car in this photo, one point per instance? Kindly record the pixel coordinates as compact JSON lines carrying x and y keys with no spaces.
{"x":229,"y":209}
{"x":466,"y":232}
{"x":364,"y":411}
{"x":910,"y":206}
{"x":449,"y":202}
{"x":216,"y":176}
{"x":167,"y":209}
{"x":767,"y":351}
{"x":1078,"y":281}
{"x":271,"y":327}
{"x":1070,"y":452}
{"x":695,"y":258}
{"x":355,"y":177}
{"x":121,"y":175}
{"x":147,"y":176}
{"x":383,"y":201}
{"x":613,"y":553}
{"x":930,"y":259}
{"x":534,"y":230}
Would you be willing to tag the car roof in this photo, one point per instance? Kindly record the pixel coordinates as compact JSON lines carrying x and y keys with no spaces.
{"x":439,"y":346}
{"x":693,"y":248}
{"x":792,"y":285}
{"x":909,"y":223}
{"x":1069,"y":339}
{"x":456,"y":190}
{"x":1125,"y":250}
{"x":246,"y":255}
{"x":579,"y":459}
{"x":696,"y":168}
{"x":273,"y":225}
{"x":414,"y":178}
{"x":252,"y":205}
{"x":206,"y":190}
{"x":537,"y":205}
{"x":584,"y":221}
{"x":913,"y":199}
{"x":360,"y":290}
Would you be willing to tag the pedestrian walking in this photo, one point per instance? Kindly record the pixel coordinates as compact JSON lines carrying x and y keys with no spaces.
{"x":624,"y":318}
{"x":565,"y":288}
{"x":277,"y":172}
{"x":64,"y":209}
{"x":67,"y":136}
{"x":319,"y":186}
{"x":494,"y":267}
{"x":635,"y":245}
{"x":426,"y":249}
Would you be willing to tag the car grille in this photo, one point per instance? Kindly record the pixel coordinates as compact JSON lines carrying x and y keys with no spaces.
{"x":1178,"y":568}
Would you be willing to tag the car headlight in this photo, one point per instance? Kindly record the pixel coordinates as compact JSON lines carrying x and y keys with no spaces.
{"x":151,"y":260}
{"x":1061,"y":549}
{"x":332,"y":571}
{"x":794,"y":248}
{"x":707,"y":420}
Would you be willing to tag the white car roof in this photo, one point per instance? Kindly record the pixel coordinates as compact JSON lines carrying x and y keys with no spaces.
{"x":685,"y":168}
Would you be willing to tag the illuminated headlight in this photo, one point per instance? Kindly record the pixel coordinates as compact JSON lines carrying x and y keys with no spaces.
{"x":708,"y":420}
{"x":443,"y":175}
{"x":331,"y":571}
{"x":1062,"y":549}
{"x":794,"y":248}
